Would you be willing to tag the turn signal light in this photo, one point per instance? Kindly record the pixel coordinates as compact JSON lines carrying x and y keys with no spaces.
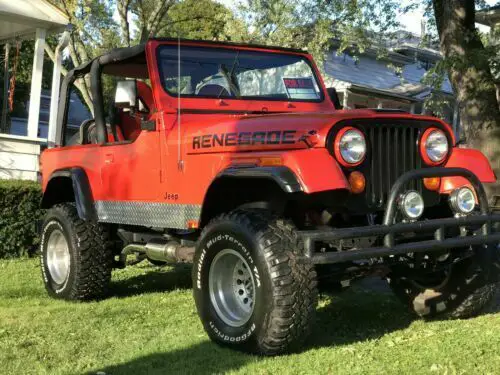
{"x":357,"y":181}
{"x":270,"y":161}
{"x":193,"y":224}
{"x":432,"y":183}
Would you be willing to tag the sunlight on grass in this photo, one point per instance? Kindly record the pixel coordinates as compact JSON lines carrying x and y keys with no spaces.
{"x":150,"y":325}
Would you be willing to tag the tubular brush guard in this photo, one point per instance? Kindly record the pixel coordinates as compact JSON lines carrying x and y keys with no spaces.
{"x":388,"y":230}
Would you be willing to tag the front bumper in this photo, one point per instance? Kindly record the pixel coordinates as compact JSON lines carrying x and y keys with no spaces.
{"x":388,"y":232}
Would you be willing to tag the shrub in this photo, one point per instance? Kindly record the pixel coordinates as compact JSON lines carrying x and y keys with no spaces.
{"x":19,"y":215}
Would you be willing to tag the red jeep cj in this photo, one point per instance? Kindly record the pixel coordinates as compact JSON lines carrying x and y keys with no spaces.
{"x":234,"y":157}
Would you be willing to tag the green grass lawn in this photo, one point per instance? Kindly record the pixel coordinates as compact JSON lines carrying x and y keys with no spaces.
{"x":150,"y":326}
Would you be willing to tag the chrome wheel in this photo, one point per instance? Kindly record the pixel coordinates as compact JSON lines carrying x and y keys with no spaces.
{"x":231,"y":288}
{"x":58,"y":257}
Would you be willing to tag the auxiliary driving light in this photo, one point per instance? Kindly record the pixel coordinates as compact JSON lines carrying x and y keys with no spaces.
{"x":411,"y":204}
{"x":462,"y":200}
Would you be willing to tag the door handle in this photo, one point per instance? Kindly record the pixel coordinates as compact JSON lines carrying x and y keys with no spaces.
{"x":109,"y":158}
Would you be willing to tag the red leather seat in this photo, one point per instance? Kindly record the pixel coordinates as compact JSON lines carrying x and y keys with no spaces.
{"x":131,"y":125}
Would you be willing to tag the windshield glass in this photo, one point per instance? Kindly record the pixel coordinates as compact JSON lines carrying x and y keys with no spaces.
{"x":225,"y":73}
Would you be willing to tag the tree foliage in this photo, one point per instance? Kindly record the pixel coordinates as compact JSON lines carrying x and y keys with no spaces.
{"x":197,"y":19}
{"x":315,"y":24}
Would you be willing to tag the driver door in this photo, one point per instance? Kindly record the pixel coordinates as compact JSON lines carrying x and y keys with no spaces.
{"x":130,"y":167}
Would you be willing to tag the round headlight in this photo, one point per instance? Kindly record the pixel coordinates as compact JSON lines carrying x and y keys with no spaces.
{"x":435,"y":145}
{"x":411,"y":205}
{"x":351,"y":146}
{"x":462,"y":200}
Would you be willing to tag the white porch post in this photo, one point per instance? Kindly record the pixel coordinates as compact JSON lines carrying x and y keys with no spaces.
{"x":345,"y":100}
{"x":36,"y":84}
{"x":56,"y":85}
{"x":380,"y":104}
{"x":412,"y":108}
{"x":5,"y":103}
{"x":54,"y":99}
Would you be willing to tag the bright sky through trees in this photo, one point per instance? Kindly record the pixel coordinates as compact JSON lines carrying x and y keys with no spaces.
{"x":412,"y":20}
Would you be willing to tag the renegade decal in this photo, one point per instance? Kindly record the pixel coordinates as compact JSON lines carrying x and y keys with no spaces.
{"x":274,"y":137}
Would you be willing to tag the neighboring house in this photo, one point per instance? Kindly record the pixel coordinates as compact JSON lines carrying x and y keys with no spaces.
{"x":489,"y":17}
{"x":393,"y":81}
{"x":77,"y":113}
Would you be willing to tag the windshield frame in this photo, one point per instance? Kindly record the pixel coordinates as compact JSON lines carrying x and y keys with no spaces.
{"x":301,"y":57}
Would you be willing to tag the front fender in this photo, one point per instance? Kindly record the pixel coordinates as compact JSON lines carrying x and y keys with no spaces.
{"x":283,"y":176}
{"x":471,"y":159}
{"x":316,"y":170}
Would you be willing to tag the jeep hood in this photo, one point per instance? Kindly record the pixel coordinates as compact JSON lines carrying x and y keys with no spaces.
{"x":264,"y":132}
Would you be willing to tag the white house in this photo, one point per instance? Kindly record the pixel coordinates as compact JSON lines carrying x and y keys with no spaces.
{"x":24,"y":19}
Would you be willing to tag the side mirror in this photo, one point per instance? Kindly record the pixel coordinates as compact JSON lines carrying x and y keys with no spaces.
{"x":126,"y":94}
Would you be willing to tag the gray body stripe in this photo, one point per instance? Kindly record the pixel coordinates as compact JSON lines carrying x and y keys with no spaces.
{"x":158,"y":215}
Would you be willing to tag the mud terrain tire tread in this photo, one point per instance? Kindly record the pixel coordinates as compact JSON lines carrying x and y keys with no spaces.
{"x":294,"y":285}
{"x":92,"y":257}
{"x":469,"y":291}
{"x":475,"y":303}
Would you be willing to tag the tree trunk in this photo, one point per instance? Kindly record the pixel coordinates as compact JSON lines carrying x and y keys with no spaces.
{"x":80,"y":84}
{"x":471,"y":78}
{"x":122,"y":8}
{"x":151,"y":24}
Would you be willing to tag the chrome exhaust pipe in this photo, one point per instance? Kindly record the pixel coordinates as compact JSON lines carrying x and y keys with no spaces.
{"x":162,"y":250}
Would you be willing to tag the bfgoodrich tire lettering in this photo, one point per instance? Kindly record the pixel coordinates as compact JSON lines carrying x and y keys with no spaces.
{"x":285,"y":289}
{"x":90,"y":257}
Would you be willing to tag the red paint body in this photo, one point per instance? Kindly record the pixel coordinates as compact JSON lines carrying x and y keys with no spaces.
{"x":148,"y":168}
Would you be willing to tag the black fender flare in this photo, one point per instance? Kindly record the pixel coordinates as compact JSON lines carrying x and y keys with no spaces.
{"x":283,"y":176}
{"x":84,"y":200}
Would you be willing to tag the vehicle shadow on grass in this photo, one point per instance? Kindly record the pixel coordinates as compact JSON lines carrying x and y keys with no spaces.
{"x":153,"y":280}
{"x":203,"y":359}
{"x":362,"y":313}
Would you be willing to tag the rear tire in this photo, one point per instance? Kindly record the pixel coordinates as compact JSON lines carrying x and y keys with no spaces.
{"x":76,"y":258}
{"x":468,"y":288}
{"x":250,"y":263}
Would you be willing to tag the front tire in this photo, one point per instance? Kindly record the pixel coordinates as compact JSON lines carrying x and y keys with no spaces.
{"x":251,"y":290}
{"x":76,"y":259}
{"x":468,"y":288}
